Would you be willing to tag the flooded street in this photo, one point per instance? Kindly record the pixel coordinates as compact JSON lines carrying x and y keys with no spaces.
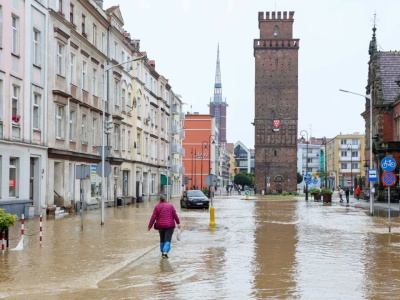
{"x":260,"y":249}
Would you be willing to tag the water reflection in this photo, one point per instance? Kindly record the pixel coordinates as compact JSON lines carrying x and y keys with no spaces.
{"x":260,"y":249}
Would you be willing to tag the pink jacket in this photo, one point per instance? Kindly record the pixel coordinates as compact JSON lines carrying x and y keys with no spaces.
{"x":165,"y":214}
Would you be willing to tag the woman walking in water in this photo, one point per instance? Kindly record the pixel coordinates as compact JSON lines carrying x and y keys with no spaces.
{"x":165,"y":217}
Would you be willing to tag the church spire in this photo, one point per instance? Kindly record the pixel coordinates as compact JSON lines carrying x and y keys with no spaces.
{"x":218,"y":85}
{"x":372,"y":44}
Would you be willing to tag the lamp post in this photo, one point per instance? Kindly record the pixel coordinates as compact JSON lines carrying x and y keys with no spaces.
{"x":349,"y":147}
{"x":326,"y":173}
{"x":305,"y":133}
{"x":195,"y":169}
{"x":202,"y":155}
{"x":212,"y":216}
{"x":191,"y":152}
{"x":104,"y":127}
{"x":371,"y":184}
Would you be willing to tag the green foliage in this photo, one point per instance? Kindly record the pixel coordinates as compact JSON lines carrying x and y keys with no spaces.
{"x":284,"y":193}
{"x":315,"y":191}
{"x":6,"y":220}
{"x":205,"y":191}
{"x":326,"y":191}
{"x":244,"y":178}
{"x":299,"y":178}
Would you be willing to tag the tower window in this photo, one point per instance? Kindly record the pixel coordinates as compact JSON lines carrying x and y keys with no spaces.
{"x":276,"y":31}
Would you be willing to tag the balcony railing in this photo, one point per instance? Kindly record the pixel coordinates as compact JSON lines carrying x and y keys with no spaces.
{"x":175,"y":169}
{"x":181,"y":170}
{"x":182,"y":116}
{"x":182,"y":152}
{"x":174,"y":109}
{"x":175,"y":148}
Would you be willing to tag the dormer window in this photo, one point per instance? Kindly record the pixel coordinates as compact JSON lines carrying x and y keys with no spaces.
{"x":276,"y":31}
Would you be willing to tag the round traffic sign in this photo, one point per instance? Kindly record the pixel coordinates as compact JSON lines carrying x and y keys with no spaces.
{"x":348,"y":181}
{"x":388,"y":164}
{"x":388,"y":179}
{"x":247,"y":192}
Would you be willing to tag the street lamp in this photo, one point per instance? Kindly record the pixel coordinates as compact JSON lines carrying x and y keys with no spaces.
{"x":349,"y":147}
{"x":371,"y":184}
{"x":202,"y":155}
{"x":104,"y":127}
{"x":305,"y":133}
{"x":212,"y":216}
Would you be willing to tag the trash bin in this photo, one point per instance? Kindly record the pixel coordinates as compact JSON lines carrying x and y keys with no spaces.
{"x":119,"y":201}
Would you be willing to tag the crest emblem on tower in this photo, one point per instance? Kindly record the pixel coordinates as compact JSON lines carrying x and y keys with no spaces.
{"x":277,"y":124}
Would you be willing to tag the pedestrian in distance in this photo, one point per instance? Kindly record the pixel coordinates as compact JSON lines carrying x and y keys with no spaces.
{"x":255,"y":190}
{"x":165,"y":217}
{"x":358,"y":192}
{"x":347,"y":192}
{"x":341,"y":192}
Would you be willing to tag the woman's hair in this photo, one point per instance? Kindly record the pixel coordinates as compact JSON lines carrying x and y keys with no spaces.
{"x":162,"y":198}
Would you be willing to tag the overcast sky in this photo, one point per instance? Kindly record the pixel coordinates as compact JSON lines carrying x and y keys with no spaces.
{"x":182,"y":37}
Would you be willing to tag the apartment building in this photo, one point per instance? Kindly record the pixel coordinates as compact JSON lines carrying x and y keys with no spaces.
{"x":23,"y":87}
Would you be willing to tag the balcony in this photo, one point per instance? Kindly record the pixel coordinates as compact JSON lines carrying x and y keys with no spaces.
{"x":182,"y":116}
{"x":175,"y":149}
{"x":182,"y":134}
{"x":182,"y":152}
{"x":175,"y":129}
{"x":181,"y":170}
{"x":350,"y":159}
{"x":175,"y":169}
{"x":174,"y":109}
{"x":349,"y":147}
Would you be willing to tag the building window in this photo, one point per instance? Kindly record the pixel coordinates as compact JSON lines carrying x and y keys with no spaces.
{"x":15,"y":35}
{"x":73,"y":69}
{"x":343,"y":165}
{"x":123,"y":99}
{"x":94,"y":35}
{"x":116,"y":93}
{"x":343,"y":153}
{"x":13,"y":177}
{"x":60,"y":61}
{"x":95,"y":82}
{"x":153,"y":184}
{"x":84,"y":75}
{"x":59,"y":6}
{"x":95,"y":182}
{"x":36,"y":111}
{"x":84,"y":131}
{"x":343,"y":142}
{"x":354,"y":141}
{"x":128,"y":144}
{"x":59,"y":122}
{"x":1,"y":30}
{"x":84,"y":25}
{"x":71,"y":13}
{"x":103,"y":42}
{"x":138,"y":143}
{"x":94,"y":132}
{"x":72,"y":125}
{"x":276,"y":31}
{"x":116,"y":51}
{"x":123,"y":140}
{"x":116,"y":137}
{"x":15,"y":104}
{"x":36,"y":48}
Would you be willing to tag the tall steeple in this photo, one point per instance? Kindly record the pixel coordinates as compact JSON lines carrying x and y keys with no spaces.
{"x":372,"y":44}
{"x":217,"y":106}
{"x":218,"y":84}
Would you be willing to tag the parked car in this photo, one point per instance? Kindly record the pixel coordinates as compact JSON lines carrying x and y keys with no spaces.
{"x":194,"y":198}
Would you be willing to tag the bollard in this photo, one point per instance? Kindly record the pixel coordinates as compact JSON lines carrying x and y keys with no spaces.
{"x":40,"y":230}
{"x":3,"y":236}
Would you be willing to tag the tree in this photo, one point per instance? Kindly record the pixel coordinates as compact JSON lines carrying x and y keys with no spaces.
{"x":299,"y":178}
{"x":243,"y":178}
{"x":6,"y":220}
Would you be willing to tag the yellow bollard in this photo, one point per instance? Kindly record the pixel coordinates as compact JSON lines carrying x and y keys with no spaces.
{"x":247,"y":197}
{"x":212,"y":216}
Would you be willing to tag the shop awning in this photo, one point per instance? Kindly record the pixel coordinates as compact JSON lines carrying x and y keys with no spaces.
{"x":164,"y":180}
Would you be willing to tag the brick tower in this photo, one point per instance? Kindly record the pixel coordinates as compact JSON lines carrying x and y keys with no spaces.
{"x":276,"y":103}
{"x":217,"y":106}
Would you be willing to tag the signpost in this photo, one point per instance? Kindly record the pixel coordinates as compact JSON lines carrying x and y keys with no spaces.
{"x":388,"y":178}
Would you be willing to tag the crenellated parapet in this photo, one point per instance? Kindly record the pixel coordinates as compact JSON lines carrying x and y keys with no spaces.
{"x":275,"y":15}
{"x":276,"y":43}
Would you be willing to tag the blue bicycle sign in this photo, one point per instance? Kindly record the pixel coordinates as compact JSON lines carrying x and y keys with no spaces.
{"x":388,"y":164}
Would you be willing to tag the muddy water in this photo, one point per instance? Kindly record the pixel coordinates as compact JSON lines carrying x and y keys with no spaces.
{"x":260,"y":249}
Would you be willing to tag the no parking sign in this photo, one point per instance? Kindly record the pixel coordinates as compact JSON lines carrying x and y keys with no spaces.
{"x":389,"y":179}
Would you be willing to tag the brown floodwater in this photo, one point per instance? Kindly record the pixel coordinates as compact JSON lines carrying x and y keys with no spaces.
{"x":261,"y":248}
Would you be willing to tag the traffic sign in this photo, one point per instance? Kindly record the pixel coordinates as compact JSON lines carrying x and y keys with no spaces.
{"x":389,"y":179}
{"x":388,"y":164}
{"x":211,"y":179}
{"x":247,"y":192}
{"x":315,"y":181}
{"x":348,"y":181}
{"x":308,"y":176}
{"x":107,"y":169}
{"x":372,"y":175}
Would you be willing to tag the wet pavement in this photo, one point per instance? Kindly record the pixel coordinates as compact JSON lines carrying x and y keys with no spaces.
{"x":261,"y":248}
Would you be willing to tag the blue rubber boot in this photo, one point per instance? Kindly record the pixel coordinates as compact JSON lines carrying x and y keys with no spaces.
{"x":167,"y":247}
{"x":161,"y":247}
